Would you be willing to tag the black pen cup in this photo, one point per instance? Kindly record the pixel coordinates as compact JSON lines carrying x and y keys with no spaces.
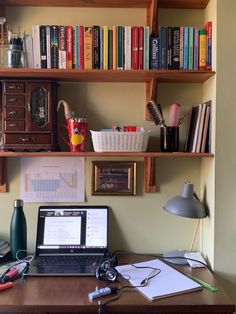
{"x":169,"y":138}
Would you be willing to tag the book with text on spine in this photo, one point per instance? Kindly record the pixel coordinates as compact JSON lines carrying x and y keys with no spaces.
{"x":36,"y":46}
{"x":154,"y":52}
{"x":136,"y":49}
{"x":43,"y":46}
{"x":62,"y":47}
{"x":88,"y":48}
{"x":54,"y":36}
{"x":69,"y":47}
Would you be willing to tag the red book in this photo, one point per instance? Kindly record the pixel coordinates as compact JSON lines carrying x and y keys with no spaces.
{"x":81,"y":46}
{"x":140,"y":49}
{"x":69,"y":47}
{"x":135,"y":47}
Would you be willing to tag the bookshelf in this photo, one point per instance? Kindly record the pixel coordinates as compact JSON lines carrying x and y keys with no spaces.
{"x":150,"y":77}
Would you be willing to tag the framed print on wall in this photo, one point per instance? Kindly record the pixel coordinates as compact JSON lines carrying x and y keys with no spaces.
{"x":114,"y":178}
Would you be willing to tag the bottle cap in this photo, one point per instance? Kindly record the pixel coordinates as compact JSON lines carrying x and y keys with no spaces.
{"x":18,"y":203}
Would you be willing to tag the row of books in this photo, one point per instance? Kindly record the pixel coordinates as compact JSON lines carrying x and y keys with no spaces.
{"x":183,"y":48}
{"x":96,"y":47}
{"x":198,"y":135}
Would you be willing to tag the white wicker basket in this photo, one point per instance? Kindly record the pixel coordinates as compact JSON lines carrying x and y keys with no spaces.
{"x":119,"y":141}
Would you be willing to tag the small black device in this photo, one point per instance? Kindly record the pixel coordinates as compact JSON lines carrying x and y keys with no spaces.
{"x":106,"y":268}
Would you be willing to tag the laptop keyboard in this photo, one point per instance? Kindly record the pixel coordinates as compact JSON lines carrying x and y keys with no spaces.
{"x":67,"y":260}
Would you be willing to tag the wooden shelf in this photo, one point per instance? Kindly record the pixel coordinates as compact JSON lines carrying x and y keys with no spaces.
{"x":180,"y":4}
{"x":107,"y":154}
{"x":136,"y":76}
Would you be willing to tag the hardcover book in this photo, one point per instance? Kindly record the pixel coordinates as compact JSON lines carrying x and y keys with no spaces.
{"x":88,"y":48}
{"x":186,"y":47}
{"x":163,"y":48}
{"x":110,"y":49}
{"x":114,"y":47}
{"x":202,"y":49}
{"x":120,"y":47}
{"x":127,"y":46}
{"x":169,"y":48}
{"x":105,"y":47}
{"x":181,"y":49}
{"x":48,"y":38}
{"x":77,"y":48}
{"x":208,"y":28}
{"x":81,"y":46}
{"x":191,"y":48}
{"x":136,"y":48}
{"x":196,"y":49}
{"x":146,"y":48}
{"x":43,"y":46}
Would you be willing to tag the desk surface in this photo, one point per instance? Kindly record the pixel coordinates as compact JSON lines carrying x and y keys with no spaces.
{"x":70,"y":295}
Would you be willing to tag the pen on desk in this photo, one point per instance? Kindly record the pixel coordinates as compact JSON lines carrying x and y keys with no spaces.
{"x":174,"y":115}
{"x":6,"y":285}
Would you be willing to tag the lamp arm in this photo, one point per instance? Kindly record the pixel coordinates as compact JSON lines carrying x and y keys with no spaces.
{"x":194,"y":235}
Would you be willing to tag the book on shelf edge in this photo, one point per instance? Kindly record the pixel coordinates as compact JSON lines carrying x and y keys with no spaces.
{"x":69,"y":47}
{"x":206,"y":129}
{"x":196,"y":49}
{"x":208,"y":28}
{"x":105,"y":47}
{"x":127,"y":47}
{"x":175,"y":48}
{"x":54,"y":36}
{"x":114,"y":47}
{"x":181,"y":48}
{"x":163,"y":48}
{"x":146,"y":48}
{"x":191,"y":48}
{"x":62,"y":47}
{"x":169,"y":48}
{"x":202,"y":49}
{"x":120,"y":47}
{"x":135,"y":52}
{"x":110,"y":49}
{"x":81,"y":47}
{"x":186,"y":47}
{"x":88,"y":48}
{"x":140,"y":47}
{"x":48,"y":38}
{"x":36,"y":46}
{"x":43,"y":46}
{"x":154,"y":51}
{"x":200,"y":130}
{"x":96,"y":47}
{"x":191,"y":138}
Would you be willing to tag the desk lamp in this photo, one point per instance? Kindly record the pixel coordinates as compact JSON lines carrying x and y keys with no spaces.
{"x":186,"y":205}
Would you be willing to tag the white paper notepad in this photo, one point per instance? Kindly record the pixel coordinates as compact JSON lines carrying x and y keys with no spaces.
{"x":168,"y":282}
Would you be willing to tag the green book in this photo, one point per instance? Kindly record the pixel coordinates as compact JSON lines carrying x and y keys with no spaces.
{"x":120,"y":47}
{"x":191,"y":48}
{"x":110,"y":49}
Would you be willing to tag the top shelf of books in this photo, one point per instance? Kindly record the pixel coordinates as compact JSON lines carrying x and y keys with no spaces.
{"x":181,"y":4}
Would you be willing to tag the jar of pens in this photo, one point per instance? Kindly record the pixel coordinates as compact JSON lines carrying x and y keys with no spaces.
{"x":169,"y":133}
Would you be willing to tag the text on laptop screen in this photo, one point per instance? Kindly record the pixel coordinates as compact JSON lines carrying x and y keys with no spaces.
{"x":72,"y":228}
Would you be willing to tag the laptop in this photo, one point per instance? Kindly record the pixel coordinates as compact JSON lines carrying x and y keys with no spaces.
{"x":70,"y":240}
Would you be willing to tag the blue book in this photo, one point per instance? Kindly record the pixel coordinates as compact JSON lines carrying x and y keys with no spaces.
{"x":191,"y":48}
{"x":196,"y":49}
{"x":154,"y":52}
{"x":186,"y":47}
{"x":101,"y":47}
{"x":77,"y":52}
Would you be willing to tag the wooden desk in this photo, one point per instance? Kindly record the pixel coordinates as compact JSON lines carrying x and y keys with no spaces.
{"x":70,"y":295}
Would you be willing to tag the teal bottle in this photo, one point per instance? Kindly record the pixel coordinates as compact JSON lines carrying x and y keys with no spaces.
{"x":18,"y":231}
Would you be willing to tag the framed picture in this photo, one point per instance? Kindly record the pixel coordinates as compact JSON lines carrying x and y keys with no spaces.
{"x":114,"y":178}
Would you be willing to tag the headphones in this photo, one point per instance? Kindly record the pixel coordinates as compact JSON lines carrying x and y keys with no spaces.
{"x":106,"y":268}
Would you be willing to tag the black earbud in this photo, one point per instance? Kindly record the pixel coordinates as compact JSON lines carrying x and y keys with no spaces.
{"x":106,"y":269}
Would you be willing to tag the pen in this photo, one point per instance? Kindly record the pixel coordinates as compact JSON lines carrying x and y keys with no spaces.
{"x":6,"y":285}
{"x":204,"y":284}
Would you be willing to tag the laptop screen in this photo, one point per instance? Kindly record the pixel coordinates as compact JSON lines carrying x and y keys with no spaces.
{"x":72,"y":229}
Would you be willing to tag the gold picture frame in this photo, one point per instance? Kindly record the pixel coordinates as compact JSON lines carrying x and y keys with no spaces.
{"x":114,"y":178}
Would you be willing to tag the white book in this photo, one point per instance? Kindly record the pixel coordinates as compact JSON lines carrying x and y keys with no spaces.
{"x":196,"y":131}
{"x":146,"y":48}
{"x":36,"y":46}
{"x":168,"y":281}
{"x":28,"y":49}
{"x":62,"y":47}
{"x":48,"y":40}
{"x":127,"y":41}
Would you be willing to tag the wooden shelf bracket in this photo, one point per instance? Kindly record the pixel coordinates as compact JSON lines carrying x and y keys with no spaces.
{"x":149,"y":175}
{"x":3,"y":183}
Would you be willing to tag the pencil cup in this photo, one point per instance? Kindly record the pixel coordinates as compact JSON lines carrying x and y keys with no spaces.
{"x":169,"y":139}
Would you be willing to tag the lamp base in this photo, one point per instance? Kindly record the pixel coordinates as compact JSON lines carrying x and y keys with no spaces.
{"x":176,"y":257}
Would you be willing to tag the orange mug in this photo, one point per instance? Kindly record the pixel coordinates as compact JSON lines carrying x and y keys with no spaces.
{"x":77,"y":133}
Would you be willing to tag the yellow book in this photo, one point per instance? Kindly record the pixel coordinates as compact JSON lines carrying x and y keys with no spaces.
{"x":202,"y":49}
{"x":88,"y":48}
{"x":114,"y":48}
{"x":105,"y":47}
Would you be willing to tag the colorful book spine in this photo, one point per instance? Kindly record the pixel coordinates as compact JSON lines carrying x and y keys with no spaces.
{"x":81,"y":47}
{"x":110,"y":49}
{"x":88,"y":48}
{"x":140,"y":47}
{"x":48,"y":39}
{"x":186,"y":47}
{"x":96,"y":47}
{"x":62,"y":47}
{"x":114,"y":47}
{"x":136,"y":54}
{"x":202,"y":49}
{"x":69,"y":47}
{"x":169,"y":48}
{"x":54,"y":46}
{"x":176,"y":48}
{"x":181,"y":49}
{"x":154,"y":51}
{"x":208,"y":28}
{"x":196,"y":49}
{"x":105,"y":47}
{"x":120,"y":47}
{"x":127,"y":47}
{"x":101,"y":47}
{"x":146,"y":48}
{"x":74,"y":49}
{"x":191,"y":48}
{"x":36,"y":46}
{"x":43,"y":46}
{"x":77,"y":48}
